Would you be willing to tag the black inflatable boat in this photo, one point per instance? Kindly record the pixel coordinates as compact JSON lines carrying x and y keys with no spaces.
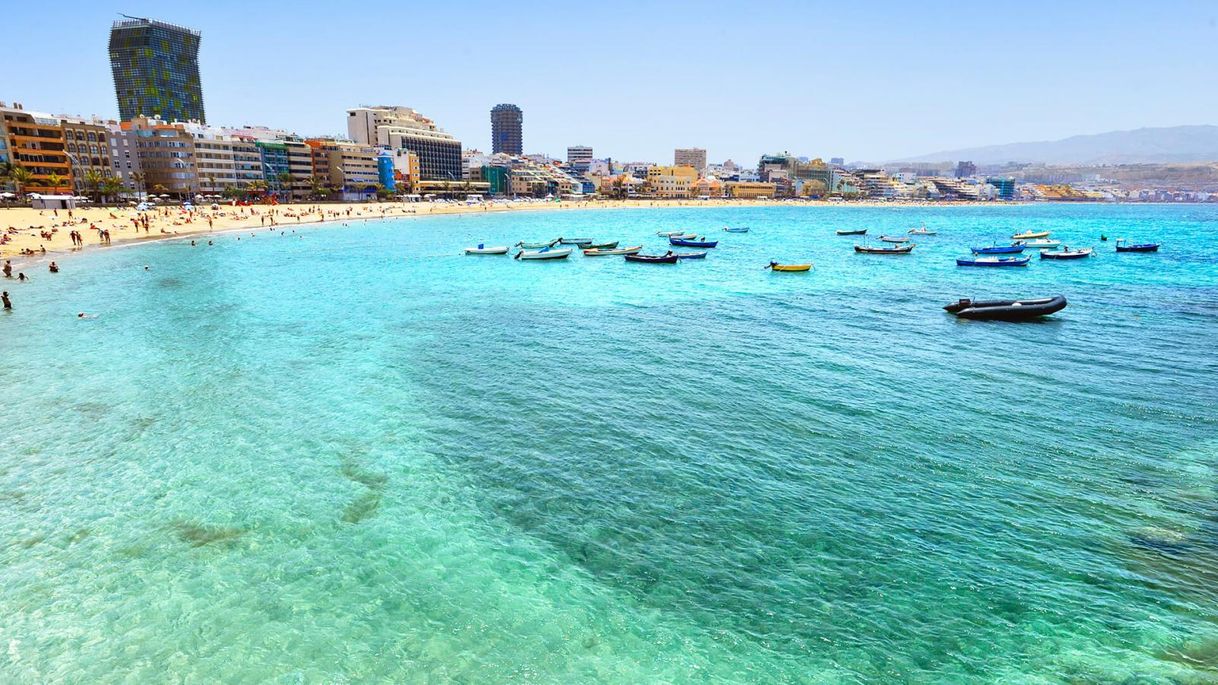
{"x":1007,"y":310}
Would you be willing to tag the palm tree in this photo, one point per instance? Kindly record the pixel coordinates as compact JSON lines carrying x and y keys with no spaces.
{"x":211,"y":182}
{"x":21,"y":177}
{"x":93,"y":181}
{"x":160,"y":189}
{"x":111,"y":186}
{"x":54,"y":181}
{"x":139,"y":177}
{"x":285,"y":182}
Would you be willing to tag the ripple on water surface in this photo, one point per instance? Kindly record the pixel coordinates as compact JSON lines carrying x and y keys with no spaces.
{"x":355,"y":455}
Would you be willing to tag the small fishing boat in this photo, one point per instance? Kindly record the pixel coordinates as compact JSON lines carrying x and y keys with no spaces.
{"x":994,"y":261}
{"x":1030,"y":235}
{"x":775,"y":266}
{"x":998,"y":249}
{"x":860,"y":231}
{"x":579,"y":242}
{"x":543,"y":253}
{"x":600,"y":246}
{"x":1135,"y":247}
{"x":667,"y":258}
{"x":737,"y":229}
{"x":483,"y":249}
{"x":921,"y":231}
{"x":691,"y":255}
{"x":536,"y":246}
{"x":694,"y":242}
{"x":1007,"y":310}
{"x":1067,"y":253}
{"x":867,"y":249}
{"x":606,"y":251}
{"x":894,"y":239}
{"x":667,"y":234}
{"x":1039,"y":244}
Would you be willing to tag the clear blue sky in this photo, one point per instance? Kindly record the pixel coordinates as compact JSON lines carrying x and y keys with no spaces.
{"x":872,"y":81}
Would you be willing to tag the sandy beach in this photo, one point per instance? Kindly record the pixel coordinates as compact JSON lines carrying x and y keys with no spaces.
{"x":30,"y":232}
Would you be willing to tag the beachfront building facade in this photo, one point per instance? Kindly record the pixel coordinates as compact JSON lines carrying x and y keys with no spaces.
{"x":35,"y":141}
{"x":166,"y":156}
{"x":579,"y":158}
{"x":749,"y":190}
{"x":507,"y":130}
{"x":350,"y":169}
{"x":671,"y":181}
{"x":87,"y":144}
{"x":402,"y":128}
{"x":156,"y":70}
{"x":690,"y":156}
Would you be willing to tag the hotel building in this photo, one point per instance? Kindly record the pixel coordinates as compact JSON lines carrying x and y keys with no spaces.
{"x":35,"y":141}
{"x":507,"y":130}
{"x":689,"y":156}
{"x":579,"y":157}
{"x":402,"y":128}
{"x":671,"y":181}
{"x":156,"y":70}
{"x":87,"y":144}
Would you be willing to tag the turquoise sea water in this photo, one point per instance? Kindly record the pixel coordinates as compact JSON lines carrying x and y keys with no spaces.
{"x":353,"y":455}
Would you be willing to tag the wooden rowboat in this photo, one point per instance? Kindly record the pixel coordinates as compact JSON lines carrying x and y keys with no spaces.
{"x":861,"y":231}
{"x":544,"y":253}
{"x":602,"y":252}
{"x":775,"y":266}
{"x":536,"y":246}
{"x":1030,"y":235}
{"x":667,"y":258}
{"x":894,"y":239}
{"x":482,"y":249}
{"x":686,"y":242}
{"x":903,"y":249}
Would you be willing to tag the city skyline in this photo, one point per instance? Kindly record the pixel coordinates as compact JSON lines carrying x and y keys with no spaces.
{"x":872,"y":72}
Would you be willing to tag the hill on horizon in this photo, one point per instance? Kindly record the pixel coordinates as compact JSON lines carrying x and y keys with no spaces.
{"x":1166,"y":145}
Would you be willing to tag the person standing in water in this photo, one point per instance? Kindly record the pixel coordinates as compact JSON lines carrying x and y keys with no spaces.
{"x":4,"y":298}
{"x":53,"y":268}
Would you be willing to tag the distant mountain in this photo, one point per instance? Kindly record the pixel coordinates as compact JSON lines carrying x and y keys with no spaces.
{"x":1141,"y":146}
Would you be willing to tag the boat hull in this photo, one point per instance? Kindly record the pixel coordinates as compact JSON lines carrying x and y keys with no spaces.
{"x":598,"y":252}
{"x":1007,"y":310}
{"x":1078,"y":254}
{"x":486,"y":250}
{"x":894,"y":239}
{"x":681,"y":242}
{"x":577,"y":242}
{"x":790,"y":267}
{"x":1013,"y":249}
{"x":741,"y":229}
{"x":905,"y":249}
{"x":1030,"y":235}
{"x":858,"y":232}
{"x":669,"y":258}
{"x":691,"y":255}
{"x":1148,"y":247}
{"x":542,"y":255}
{"x":994,"y":261}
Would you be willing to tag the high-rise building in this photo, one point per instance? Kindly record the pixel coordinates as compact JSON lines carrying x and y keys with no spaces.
{"x":579,"y":157}
{"x":36,"y":141}
{"x":402,"y":128}
{"x":689,"y":156}
{"x":156,"y":70}
{"x":966,"y":169}
{"x":507,"y":134}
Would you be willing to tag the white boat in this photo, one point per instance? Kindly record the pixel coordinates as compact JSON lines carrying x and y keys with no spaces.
{"x":1043,"y":243}
{"x":665,"y":234}
{"x":921,"y":231}
{"x":601,"y":252}
{"x":483,"y":249}
{"x":544,"y":253}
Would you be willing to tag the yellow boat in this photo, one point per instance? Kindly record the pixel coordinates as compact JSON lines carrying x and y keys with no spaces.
{"x":775,"y":266}
{"x":1030,"y":235}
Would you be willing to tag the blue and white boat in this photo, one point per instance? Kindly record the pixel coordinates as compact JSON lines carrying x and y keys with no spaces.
{"x":999,"y":249}
{"x":994,"y":261}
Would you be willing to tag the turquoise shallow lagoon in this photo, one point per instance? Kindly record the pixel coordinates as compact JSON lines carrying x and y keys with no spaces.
{"x":350,"y":455}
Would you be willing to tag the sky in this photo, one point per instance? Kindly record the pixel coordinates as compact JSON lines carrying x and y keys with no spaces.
{"x":866,"y":81}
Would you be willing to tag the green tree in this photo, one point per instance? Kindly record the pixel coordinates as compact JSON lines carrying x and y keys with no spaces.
{"x":55,"y":181}
{"x":93,"y":181}
{"x":21,"y":177}
{"x":111,"y":186}
{"x":139,"y":178}
{"x":286,"y":179}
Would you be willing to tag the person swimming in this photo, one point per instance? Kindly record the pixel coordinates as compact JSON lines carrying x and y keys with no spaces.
{"x":53,"y":268}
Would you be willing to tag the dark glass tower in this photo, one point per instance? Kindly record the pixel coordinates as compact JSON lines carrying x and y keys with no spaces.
{"x":156,"y":70}
{"x":507,"y":122}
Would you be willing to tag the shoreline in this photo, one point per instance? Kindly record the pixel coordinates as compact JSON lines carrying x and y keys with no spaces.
{"x":174,"y":223}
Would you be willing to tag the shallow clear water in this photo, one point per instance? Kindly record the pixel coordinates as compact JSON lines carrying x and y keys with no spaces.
{"x":354,"y":455}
